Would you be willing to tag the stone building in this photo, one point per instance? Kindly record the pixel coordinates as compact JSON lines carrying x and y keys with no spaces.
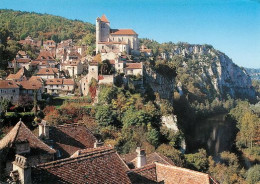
{"x":114,"y":40}
{"x":9,"y":90}
{"x":20,"y":140}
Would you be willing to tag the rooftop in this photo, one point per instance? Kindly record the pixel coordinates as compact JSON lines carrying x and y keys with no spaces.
{"x":123,"y":32}
{"x":71,"y":137}
{"x":92,"y":167}
{"x":20,"y":133}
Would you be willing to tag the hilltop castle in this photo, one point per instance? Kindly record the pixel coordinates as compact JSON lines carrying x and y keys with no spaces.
{"x":114,"y":40}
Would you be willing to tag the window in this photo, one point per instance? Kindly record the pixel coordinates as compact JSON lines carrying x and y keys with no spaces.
{"x":57,"y":86}
{"x":13,"y":90}
{"x":102,"y":47}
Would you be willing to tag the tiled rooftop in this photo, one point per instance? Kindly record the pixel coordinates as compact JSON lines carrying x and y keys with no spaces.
{"x":70,"y":138}
{"x":94,"y":167}
{"x":21,"y":133}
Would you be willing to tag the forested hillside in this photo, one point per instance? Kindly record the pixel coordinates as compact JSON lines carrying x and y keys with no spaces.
{"x":36,"y":25}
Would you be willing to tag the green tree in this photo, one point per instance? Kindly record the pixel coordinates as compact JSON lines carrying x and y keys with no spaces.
{"x":105,"y":116}
{"x":253,"y":175}
{"x":5,"y":104}
{"x":172,"y":153}
{"x":198,"y":161}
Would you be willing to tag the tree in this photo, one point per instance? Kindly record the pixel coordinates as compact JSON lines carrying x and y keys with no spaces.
{"x":5,"y":104}
{"x":25,"y":101}
{"x":253,"y":175}
{"x":105,"y":116}
{"x":172,"y":153}
{"x":198,"y":161}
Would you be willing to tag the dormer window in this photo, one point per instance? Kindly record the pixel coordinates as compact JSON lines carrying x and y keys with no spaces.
{"x":22,"y":147}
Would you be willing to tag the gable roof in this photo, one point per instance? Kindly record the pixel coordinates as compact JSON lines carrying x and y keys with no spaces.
{"x":21,"y":73}
{"x":123,"y":32}
{"x":97,"y":166}
{"x":69,"y":138}
{"x":45,"y":55}
{"x":8,"y":84}
{"x":47,"y":71}
{"x":151,"y":158}
{"x":33,"y":85}
{"x":168,"y":174}
{"x":20,"y":133}
{"x":133,"y":65}
{"x":104,"y":18}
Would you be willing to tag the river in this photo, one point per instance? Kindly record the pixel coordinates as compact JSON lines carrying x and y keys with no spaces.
{"x":215,"y":134}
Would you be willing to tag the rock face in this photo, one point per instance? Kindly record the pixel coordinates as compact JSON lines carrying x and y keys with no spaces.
{"x":254,"y":73}
{"x":160,"y":84}
{"x":214,"y":69}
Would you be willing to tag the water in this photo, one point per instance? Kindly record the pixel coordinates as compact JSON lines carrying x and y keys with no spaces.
{"x":215,"y":134}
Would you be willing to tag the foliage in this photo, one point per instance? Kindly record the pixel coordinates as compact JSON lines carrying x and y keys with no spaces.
{"x":5,"y":104}
{"x":105,"y":68}
{"x":104,"y":115}
{"x":8,"y":47}
{"x":248,"y":123}
{"x":25,"y":101}
{"x":106,"y":94}
{"x":253,"y":175}
{"x":172,"y":153}
{"x":198,"y":161}
{"x":43,"y":25}
{"x":228,"y":171}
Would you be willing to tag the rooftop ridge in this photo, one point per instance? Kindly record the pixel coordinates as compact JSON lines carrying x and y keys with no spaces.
{"x":76,"y":159}
{"x":183,"y":169}
{"x":145,"y":167}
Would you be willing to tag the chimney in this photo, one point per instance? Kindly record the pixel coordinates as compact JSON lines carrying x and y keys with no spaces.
{"x":21,"y":168}
{"x":141,"y":157}
{"x":44,"y":130}
{"x":98,"y":144}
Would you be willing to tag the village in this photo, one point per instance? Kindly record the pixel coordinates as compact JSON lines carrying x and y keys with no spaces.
{"x":71,"y":153}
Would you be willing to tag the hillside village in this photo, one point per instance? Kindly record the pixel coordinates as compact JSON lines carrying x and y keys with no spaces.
{"x":71,"y":153}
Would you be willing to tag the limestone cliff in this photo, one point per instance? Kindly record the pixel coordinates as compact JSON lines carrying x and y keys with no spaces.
{"x":209,"y":72}
{"x":160,"y":84}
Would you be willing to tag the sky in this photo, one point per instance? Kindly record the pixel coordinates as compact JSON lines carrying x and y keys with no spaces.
{"x":231,"y":26}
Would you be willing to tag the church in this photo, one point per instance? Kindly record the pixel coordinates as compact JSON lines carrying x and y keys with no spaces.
{"x":115,"y":40}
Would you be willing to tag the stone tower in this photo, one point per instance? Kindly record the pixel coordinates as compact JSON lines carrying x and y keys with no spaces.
{"x":102,"y":30}
{"x":98,"y":33}
{"x":92,"y":71}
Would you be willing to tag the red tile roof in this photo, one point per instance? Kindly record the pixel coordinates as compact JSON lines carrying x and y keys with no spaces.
{"x":21,"y":133}
{"x":60,"y":81}
{"x":144,"y":175}
{"x":104,"y":18}
{"x":131,"y":159}
{"x":123,"y":32}
{"x":54,"y":81}
{"x":30,"y":85}
{"x":47,"y":71}
{"x":133,"y":65}
{"x":68,"y":82}
{"x":70,"y":138}
{"x":168,"y":174}
{"x":94,"y":167}
{"x":45,"y":55}
{"x":19,"y":75}
{"x":173,"y":174}
{"x":8,"y":84}
{"x":22,"y":60}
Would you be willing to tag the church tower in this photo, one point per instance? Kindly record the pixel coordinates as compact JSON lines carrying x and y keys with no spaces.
{"x":98,"y":33}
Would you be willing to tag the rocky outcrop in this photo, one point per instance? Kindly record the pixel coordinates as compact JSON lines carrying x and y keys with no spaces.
{"x":160,"y":84}
{"x":214,"y":69}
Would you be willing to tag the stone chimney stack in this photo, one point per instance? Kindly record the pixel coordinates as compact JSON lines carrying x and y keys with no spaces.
{"x":44,"y":130}
{"x":141,"y":157}
{"x":21,"y":166}
{"x":98,"y":144}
